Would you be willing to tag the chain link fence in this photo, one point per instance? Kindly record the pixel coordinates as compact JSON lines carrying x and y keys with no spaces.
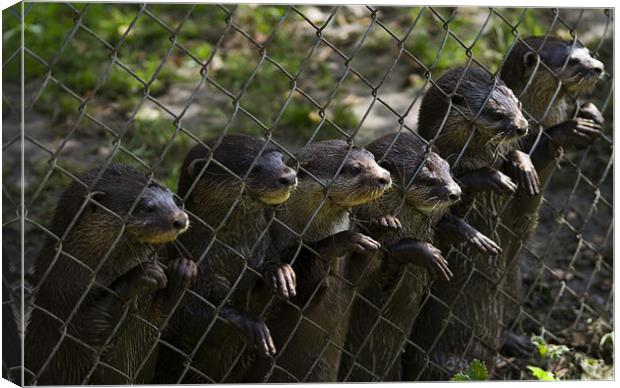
{"x":141,"y":84}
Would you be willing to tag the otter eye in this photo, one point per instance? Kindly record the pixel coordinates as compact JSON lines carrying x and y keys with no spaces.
{"x":354,"y":170}
{"x":495,"y":116}
{"x":148,"y":208}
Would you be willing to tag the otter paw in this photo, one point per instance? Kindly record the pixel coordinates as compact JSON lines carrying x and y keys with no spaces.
{"x":484,"y":244}
{"x":257,"y":335}
{"x":579,"y":133}
{"x":437,"y":264}
{"x":388,"y":222}
{"x":148,"y":275}
{"x":487,"y":179}
{"x":590,"y":111}
{"x":423,"y":255}
{"x":500,"y":183}
{"x":525,"y":172}
{"x":361,"y":243}
{"x":180,"y":273}
{"x":517,"y":346}
{"x":281,"y":278}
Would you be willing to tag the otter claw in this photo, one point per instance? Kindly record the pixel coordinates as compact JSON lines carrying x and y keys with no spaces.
{"x":486,"y":178}
{"x":283,"y":280}
{"x":421,"y":254}
{"x":363,"y":243}
{"x":577,"y":132}
{"x":505,"y":185}
{"x":388,"y":221}
{"x":258,"y":335}
{"x":525,"y":172}
{"x":150,"y":275}
{"x":357,"y":242}
{"x":180,"y":273}
{"x":485,"y":244}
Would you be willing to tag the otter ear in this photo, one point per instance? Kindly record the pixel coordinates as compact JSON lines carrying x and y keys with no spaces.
{"x":195,"y":167}
{"x":97,"y":196}
{"x":529,"y":59}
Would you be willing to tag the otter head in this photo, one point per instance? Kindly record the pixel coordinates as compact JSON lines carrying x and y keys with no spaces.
{"x":237,"y":164}
{"x":154,"y":219}
{"x":470,"y":96}
{"x":420,"y":174}
{"x":348,"y":174}
{"x":571,"y":62}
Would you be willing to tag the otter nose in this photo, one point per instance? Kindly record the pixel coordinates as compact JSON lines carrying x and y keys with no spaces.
{"x":454,"y":193}
{"x":288,"y":177}
{"x":521,"y":126}
{"x":180,"y":221}
{"x":385,"y":179}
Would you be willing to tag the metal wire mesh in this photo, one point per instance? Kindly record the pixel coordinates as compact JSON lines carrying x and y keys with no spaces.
{"x":567,"y":295}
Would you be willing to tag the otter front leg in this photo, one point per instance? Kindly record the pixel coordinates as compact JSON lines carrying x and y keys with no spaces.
{"x":421,"y":254}
{"x":524,"y":172}
{"x":106,"y":309}
{"x":461,"y":230}
{"x":256,"y":332}
{"x":180,"y":273}
{"x":485,"y":179}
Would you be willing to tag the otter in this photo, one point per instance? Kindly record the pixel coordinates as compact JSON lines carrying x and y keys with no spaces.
{"x":390,"y":291}
{"x":100,"y":292}
{"x":229,"y":185}
{"x":315,"y":234}
{"x":475,"y":120}
{"x":548,"y":75}
{"x":390,"y":288}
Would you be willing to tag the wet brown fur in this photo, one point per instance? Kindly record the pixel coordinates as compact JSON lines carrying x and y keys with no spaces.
{"x":471,"y":294}
{"x":321,"y":292}
{"x":397,"y":289}
{"x":537,"y":88}
{"x":63,"y":274}
{"x":230,"y":217}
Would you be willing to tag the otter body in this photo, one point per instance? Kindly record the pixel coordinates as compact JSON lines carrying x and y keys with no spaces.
{"x":392,"y":282}
{"x":228,"y":186}
{"x":111,"y":327}
{"x":477,"y":153}
{"x":334,"y":177}
{"x":534,"y":70}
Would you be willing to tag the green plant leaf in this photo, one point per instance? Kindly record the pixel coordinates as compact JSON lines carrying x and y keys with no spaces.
{"x":477,"y":371}
{"x":541,"y":374}
{"x":460,"y":377}
{"x":541,"y":345}
{"x":609,"y":337}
